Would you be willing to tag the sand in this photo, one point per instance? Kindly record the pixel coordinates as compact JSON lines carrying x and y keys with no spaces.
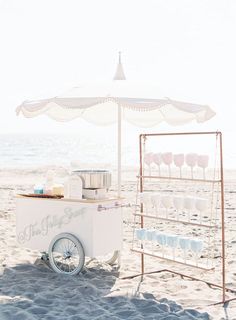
{"x":29,"y":289}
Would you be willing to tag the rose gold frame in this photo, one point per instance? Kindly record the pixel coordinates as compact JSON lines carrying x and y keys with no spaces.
{"x":142,"y":138}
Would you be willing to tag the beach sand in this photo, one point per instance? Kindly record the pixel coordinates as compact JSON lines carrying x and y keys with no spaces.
{"x":29,"y":289}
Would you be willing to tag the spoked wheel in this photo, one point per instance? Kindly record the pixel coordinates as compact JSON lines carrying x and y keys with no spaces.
{"x":66,"y":254}
{"x":110,"y":258}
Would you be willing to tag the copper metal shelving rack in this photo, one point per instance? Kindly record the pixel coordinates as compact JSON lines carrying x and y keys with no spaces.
{"x":142,"y":216}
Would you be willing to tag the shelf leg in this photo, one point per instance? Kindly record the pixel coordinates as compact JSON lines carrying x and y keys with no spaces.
{"x":222,"y":217}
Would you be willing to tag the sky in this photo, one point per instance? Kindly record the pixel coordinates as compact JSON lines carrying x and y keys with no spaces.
{"x":186,"y":47}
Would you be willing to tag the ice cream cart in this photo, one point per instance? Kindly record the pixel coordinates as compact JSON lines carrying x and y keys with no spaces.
{"x":68,"y":230}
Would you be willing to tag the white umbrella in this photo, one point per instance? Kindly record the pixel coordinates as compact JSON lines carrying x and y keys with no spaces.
{"x":105,"y":103}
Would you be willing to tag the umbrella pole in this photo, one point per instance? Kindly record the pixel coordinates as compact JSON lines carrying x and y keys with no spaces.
{"x":119,"y":152}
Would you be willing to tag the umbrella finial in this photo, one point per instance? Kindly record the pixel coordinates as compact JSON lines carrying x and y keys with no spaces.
{"x":119,"y":75}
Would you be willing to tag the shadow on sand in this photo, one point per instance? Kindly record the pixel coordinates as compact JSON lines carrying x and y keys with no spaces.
{"x":36,"y":292}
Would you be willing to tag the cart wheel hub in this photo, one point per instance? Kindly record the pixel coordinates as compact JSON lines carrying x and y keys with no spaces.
{"x":67,"y":255}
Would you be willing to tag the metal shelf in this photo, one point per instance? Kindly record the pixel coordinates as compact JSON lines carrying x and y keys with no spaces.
{"x":176,"y":221}
{"x":179,"y":261}
{"x":180,"y":179}
{"x":219,"y":179}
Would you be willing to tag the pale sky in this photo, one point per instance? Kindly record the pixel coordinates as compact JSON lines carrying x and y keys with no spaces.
{"x":187,"y":47}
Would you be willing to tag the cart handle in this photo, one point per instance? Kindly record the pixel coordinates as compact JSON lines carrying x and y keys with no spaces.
{"x":117,"y":205}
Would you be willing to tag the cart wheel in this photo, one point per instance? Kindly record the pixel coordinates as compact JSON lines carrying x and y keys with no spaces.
{"x":66,"y":254}
{"x":109,"y":258}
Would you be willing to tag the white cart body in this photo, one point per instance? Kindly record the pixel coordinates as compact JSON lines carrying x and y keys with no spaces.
{"x":97,"y":224}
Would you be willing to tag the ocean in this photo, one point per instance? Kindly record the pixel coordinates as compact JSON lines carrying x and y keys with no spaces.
{"x":25,"y":150}
{"x":37,"y":150}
